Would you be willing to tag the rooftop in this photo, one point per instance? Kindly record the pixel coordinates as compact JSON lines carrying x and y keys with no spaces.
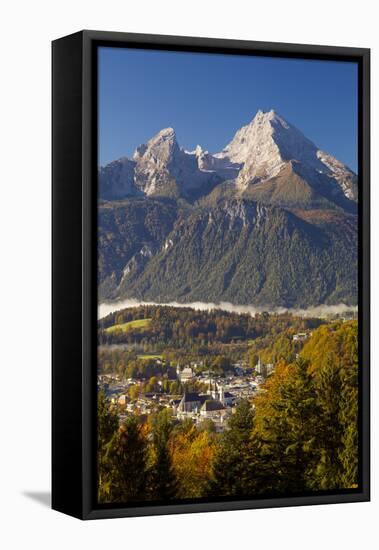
{"x":212,"y":405}
{"x":187,"y":397}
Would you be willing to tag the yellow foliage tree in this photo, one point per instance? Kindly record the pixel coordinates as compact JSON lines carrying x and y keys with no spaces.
{"x":192,"y":453}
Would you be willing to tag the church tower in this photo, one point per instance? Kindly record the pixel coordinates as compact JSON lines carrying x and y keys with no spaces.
{"x":222,"y":395}
{"x":259,"y":366}
{"x":209,"y":392}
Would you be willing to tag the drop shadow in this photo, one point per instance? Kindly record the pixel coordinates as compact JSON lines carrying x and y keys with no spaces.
{"x":42,"y":497}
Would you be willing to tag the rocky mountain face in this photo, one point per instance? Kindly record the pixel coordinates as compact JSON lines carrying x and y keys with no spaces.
{"x":261,"y":151}
{"x":270,"y":149}
{"x":270,"y":221}
{"x":116,"y":180}
{"x":159,"y":168}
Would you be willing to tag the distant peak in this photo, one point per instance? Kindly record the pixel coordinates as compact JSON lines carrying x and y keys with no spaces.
{"x":165,"y":137}
{"x":269,"y":116}
{"x":199,"y":151}
{"x":262,"y":113}
{"x":166,"y":132}
{"x":265,"y":114}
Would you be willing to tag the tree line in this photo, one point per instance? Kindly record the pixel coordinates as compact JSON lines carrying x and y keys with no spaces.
{"x":183,"y":326}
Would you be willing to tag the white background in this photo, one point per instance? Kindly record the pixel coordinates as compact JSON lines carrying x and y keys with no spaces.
{"x":27,"y":29}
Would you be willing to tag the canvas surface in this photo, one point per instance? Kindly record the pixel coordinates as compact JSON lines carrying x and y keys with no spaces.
{"x":228,"y":277}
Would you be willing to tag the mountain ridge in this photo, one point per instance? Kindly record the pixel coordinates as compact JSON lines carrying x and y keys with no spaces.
{"x":257,"y":153}
{"x":248,"y":225}
{"x":237,"y":250}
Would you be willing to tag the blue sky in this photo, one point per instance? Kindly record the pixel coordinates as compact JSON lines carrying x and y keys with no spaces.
{"x":207,"y":97}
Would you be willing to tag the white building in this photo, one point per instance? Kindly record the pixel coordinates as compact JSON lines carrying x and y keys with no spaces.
{"x":122,"y":400}
{"x":300,"y":336}
{"x":186,"y":374}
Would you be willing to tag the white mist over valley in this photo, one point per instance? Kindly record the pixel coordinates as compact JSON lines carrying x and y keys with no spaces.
{"x":315,"y":311}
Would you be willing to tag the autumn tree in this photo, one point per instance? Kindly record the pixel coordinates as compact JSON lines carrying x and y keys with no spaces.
{"x":335,"y":372}
{"x":192,"y":453}
{"x":306,"y":429}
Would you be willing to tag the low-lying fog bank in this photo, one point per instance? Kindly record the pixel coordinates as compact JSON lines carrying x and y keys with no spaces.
{"x":317,"y":311}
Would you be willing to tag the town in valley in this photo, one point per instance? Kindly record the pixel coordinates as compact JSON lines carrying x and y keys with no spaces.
{"x":203,"y":383}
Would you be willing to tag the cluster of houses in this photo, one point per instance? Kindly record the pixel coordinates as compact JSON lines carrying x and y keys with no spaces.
{"x":217,"y":403}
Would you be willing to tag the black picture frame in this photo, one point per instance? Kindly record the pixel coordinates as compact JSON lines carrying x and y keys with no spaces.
{"x":74,"y":294}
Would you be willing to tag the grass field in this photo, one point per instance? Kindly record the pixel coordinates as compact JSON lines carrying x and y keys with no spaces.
{"x":138,"y":324}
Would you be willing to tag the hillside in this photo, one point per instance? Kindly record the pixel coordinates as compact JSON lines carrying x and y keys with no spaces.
{"x":245,"y":253}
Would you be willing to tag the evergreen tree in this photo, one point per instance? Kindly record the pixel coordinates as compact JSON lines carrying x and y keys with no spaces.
{"x":107,"y":420}
{"x":325,"y":474}
{"x":233,"y":471}
{"x":286,"y":422}
{"x":162,"y":476}
{"x":336,"y":381}
{"x":107,"y":424}
{"x":126,"y":463}
{"x":348,"y":410}
{"x":348,"y":453}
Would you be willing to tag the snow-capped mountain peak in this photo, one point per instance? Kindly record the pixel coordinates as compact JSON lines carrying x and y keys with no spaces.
{"x":266,"y":148}
{"x":162,"y":167}
{"x":269,"y":143}
{"x":265,"y":144}
{"x":159,"y":149}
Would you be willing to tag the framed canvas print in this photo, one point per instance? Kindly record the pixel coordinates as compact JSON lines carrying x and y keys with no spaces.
{"x":210,"y":275}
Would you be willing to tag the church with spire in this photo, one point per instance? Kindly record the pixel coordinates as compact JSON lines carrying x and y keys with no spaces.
{"x":215,"y":403}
